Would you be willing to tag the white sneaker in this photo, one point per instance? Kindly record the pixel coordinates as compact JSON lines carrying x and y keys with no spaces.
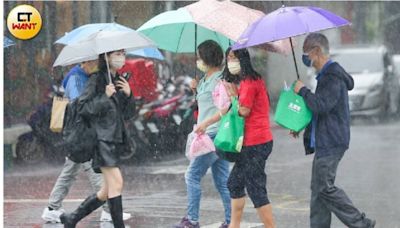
{"x":52,"y":216}
{"x":106,"y":217}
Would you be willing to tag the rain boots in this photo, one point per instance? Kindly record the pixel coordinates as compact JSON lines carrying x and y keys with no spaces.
{"x":115,"y":205}
{"x":90,"y":204}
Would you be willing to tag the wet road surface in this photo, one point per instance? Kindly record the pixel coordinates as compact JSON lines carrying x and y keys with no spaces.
{"x":155,"y":193}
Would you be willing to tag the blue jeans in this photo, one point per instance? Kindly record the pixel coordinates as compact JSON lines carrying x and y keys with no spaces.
{"x":197,"y":169}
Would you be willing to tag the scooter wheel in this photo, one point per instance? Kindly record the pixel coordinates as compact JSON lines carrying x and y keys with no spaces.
{"x":128,"y":153}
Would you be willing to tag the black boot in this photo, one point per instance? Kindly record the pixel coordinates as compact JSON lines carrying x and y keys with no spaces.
{"x":90,"y":204}
{"x":115,"y":205}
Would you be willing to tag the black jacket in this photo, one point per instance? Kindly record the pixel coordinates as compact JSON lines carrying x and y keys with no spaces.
{"x":330,"y":105}
{"x":106,"y":114}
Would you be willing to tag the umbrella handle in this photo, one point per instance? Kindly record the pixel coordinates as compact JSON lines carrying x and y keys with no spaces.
{"x":294,"y":58}
{"x":195,"y":48}
{"x":195,"y":56}
{"x":108,"y":69}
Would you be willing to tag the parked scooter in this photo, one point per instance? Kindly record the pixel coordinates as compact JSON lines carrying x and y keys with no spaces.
{"x":161,"y":128}
{"x":136,"y":141}
{"x":41,"y":144}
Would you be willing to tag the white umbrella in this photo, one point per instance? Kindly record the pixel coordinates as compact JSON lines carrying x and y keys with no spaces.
{"x":99,"y":43}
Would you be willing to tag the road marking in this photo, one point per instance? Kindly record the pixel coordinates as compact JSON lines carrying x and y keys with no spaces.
{"x":242,"y":224}
{"x":286,"y":206}
{"x":39,"y":200}
{"x":291,"y":203}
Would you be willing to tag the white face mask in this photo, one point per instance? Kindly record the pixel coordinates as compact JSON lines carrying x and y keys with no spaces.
{"x":234,"y":67}
{"x":201,"y":66}
{"x":117,"y":62}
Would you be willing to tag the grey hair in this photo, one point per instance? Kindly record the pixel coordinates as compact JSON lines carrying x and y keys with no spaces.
{"x":319,"y":40}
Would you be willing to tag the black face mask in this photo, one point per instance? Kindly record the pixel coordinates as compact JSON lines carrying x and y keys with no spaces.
{"x":306,"y":60}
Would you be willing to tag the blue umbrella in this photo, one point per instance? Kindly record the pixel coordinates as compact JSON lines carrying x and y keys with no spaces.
{"x":153,"y":53}
{"x":8,"y":42}
{"x":85,"y":31}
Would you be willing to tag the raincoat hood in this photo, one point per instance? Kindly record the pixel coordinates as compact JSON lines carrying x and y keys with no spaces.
{"x":338,"y":71}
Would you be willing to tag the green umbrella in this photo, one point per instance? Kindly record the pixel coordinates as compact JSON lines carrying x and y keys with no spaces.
{"x":176,"y":31}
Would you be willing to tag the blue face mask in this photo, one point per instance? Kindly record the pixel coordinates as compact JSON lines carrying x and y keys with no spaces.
{"x":306,"y":60}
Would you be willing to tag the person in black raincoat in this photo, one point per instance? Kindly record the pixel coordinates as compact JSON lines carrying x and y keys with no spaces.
{"x":106,"y":106}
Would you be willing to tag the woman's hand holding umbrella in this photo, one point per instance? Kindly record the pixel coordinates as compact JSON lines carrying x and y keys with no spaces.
{"x":110,"y":90}
{"x":193,"y":85}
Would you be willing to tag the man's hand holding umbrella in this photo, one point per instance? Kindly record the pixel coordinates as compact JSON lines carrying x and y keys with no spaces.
{"x":298,"y":85}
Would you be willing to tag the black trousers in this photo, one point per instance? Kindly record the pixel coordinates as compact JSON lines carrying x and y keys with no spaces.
{"x":249,"y":173}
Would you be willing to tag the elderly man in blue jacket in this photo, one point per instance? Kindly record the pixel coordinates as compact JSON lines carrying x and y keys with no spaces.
{"x":328,"y":135}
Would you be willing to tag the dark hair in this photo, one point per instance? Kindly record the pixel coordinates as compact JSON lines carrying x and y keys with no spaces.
{"x":226,"y":75}
{"x":211,"y":53}
{"x":102,"y":63}
{"x":318,"y":40}
{"x":247,"y":70}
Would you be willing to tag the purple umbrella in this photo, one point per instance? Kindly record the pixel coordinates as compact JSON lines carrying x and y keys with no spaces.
{"x":287,"y":22}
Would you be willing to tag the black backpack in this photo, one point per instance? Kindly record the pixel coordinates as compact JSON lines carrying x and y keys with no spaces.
{"x":79,"y":137}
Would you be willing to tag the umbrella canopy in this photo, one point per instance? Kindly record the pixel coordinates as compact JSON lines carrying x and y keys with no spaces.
{"x":84,"y":31}
{"x":176,"y":31}
{"x":231,"y":19}
{"x":8,"y":42}
{"x":287,"y":22}
{"x":101,"y":42}
{"x":225,"y":17}
{"x":152,"y":53}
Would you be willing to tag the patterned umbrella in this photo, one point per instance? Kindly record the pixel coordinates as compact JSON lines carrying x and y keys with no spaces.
{"x":231,"y":20}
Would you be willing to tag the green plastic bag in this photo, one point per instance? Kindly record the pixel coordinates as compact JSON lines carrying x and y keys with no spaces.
{"x":230,"y":133}
{"x":292,"y":111}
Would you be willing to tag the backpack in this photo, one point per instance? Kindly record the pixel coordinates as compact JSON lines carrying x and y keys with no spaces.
{"x":79,"y":137}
